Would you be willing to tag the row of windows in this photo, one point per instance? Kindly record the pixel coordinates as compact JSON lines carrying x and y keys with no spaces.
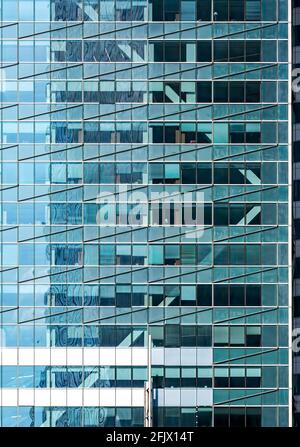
{"x":136,"y":10}
{"x":138,"y":51}
{"x":201,"y":133}
{"x":206,"y":10}
{"x":219,"y":377}
{"x":208,"y":91}
{"x":72,"y":377}
{"x":127,"y":295}
{"x":142,"y":132}
{"x":217,"y":51}
{"x":97,"y":274}
{"x":222,"y":254}
{"x":146,"y":173}
{"x":206,"y":173}
{"x":220,"y":417}
{"x":134,"y":416}
{"x":176,"y":92}
{"x":133,"y":376}
{"x":123,"y":89}
{"x":69,"y":10}
{"x":115,"y":50}
{"x":88,"y":315}
{"x":171,"y":254}
{"x":235,"y":416}
{"x":172,"y":335}
{"x":168,"y":336}
{"x":156,"y":113}
{"x":23,"y":416}
{"x":218,"y":214}
{"x":169,"y":92}
{"x":163,"y":51}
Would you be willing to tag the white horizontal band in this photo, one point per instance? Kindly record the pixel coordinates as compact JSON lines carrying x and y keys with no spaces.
{"x":72,"y":397}
{"x":73,"y":356}
{"x":104,"y":356}
{"x":103,"y":397}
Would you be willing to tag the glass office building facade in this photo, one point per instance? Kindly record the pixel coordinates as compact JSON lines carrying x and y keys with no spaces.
{"x":109,"y":110}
